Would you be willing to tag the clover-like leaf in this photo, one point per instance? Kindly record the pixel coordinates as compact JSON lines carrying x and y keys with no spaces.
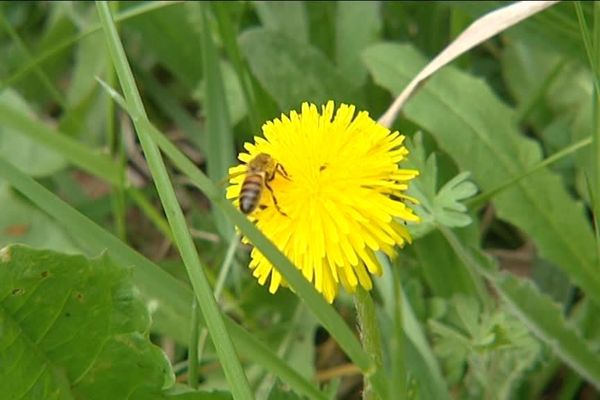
{"x":447,"y":207}
{"x":442,"y":206}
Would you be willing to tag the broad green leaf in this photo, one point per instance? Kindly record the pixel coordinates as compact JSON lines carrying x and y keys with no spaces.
{"x":553,"y":93}
{"x":587,"y":322}
{"x":42,"y":149}
{"x":525,"y":67}
{"x":85,"y":114}
{"x":472,"y":125}
{"x":292,"y":71}
{"x":285,"y":17}
{"x":443,"y":271}
{"x":552,"y":281}
{"x":91,"y":60}
{"x":74,"y":328}
{"x":22,"y":223}
{"x":358,"y":24}
{"x":232,"y":89}
{"x":228,"y":16}
{"x":59,"y":46}
{"x":31,"y":157}
{"x":172,"y":108}
{"x":419,"y":360}
{"x":42,"y":85}
{"x":322,"y":28}
{"x":555,"y":28}
{"x":171,"y":37}
{"x":183,"y":392}
{"x":279,"y":393}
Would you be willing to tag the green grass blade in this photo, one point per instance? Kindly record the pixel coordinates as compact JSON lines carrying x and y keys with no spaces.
{"x":170,"y":105}
{"x":592,"y":47}
{"x":596,"y":127}
{"x":442,"y":270}
{"x":193,"y":347}
{"x":76,"y":153}
{"x":218,"y":126}
{"x":117,"y":150}
{"x":478,"y":201}
{"x":39,"y":72}
{"x":224,"y":347}
{"x":219,"y":286}
{"x":264,"y":356}
{"x":33,"y":64}
{"x":155,"y":216}
{"x":229,"y":36}
{"x":419,"y":359}
{"x":398,"y":347}
{"x":543,"y":317}
{"x":79,"y":155}
{"x":292,"y":71}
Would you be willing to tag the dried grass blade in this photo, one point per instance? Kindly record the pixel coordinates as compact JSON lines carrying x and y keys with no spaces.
{"x":479,"y":31}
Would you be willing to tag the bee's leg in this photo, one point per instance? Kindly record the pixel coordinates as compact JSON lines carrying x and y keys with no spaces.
{"x":279,"y":168}
{"x":274,"y":198}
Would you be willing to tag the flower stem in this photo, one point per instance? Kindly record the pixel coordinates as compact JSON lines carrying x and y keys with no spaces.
{"x":370,"y":338}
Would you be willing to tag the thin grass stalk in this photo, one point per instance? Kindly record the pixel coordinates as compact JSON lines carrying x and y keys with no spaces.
{"x":231,"y":365}
{"x":596,"y":126}
{"x":219,"y":286}
{"x":478,"y":201}
{"x":38,"y":71}
{"x":229,"y":36}
{"x":117,"y":152}
{"x":592,"y":48}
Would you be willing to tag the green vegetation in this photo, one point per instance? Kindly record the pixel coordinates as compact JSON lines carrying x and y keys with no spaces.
{"x":121,"y":275}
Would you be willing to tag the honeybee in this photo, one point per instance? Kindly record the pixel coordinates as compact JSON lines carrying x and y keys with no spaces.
{"x":260,"y":171}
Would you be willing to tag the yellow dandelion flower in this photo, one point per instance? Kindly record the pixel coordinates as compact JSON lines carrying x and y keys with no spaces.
{"x":334,"y":195}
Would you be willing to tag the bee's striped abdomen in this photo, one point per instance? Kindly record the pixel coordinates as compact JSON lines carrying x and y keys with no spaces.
{"x":250,"y":192}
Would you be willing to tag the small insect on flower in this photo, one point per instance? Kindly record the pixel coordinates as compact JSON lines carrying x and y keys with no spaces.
{"x":260,"y":171}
